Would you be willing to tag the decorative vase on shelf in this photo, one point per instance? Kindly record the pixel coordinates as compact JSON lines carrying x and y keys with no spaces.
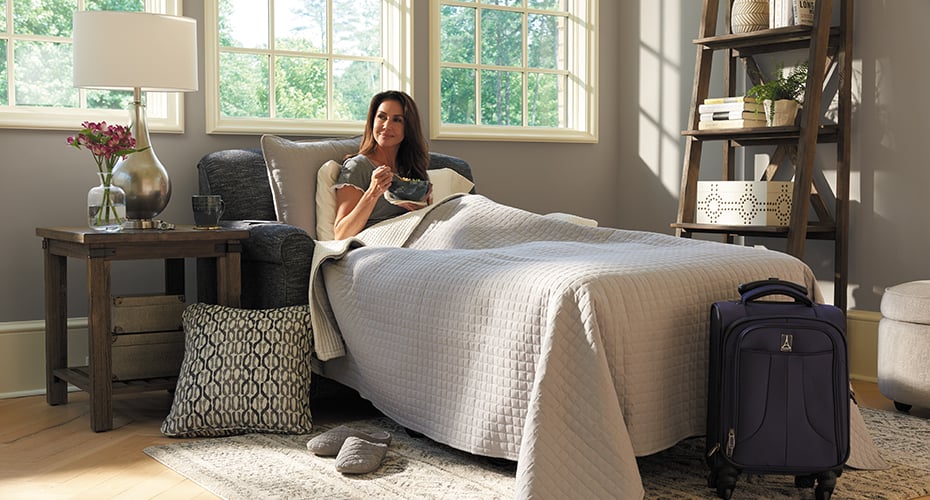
{"x":106,"y":205}
{"x":749,"y":15}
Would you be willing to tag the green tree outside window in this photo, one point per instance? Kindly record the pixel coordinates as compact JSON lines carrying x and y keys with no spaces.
{"x":514,"y":64}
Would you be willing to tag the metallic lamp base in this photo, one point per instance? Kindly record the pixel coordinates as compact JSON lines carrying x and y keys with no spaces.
{"x":147,"y":224}
{"x":140,"y":224}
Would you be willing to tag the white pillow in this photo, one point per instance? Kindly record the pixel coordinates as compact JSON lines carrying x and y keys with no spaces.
{"x":292,"y":170}
{"x":445,"y":181}
{"x":326,"y":200}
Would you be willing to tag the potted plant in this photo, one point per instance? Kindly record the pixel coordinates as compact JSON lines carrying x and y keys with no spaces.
{"x":782,"y":96}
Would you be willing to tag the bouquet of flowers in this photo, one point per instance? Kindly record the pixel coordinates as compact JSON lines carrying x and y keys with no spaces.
{"x":107,"y":144}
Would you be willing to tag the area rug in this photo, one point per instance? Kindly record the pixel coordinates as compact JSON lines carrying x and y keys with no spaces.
{"x":279,"y":466}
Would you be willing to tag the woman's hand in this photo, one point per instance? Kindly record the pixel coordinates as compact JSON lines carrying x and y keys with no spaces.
{"x":380,"y":181}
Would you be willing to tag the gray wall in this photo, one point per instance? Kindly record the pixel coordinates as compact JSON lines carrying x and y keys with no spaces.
{"x":629,"y":179}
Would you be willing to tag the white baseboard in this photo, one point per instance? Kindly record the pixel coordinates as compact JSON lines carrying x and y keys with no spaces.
{"x":22,"y":355}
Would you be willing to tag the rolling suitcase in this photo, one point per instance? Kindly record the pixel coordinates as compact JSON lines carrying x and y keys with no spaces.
{"x":778,"y":389}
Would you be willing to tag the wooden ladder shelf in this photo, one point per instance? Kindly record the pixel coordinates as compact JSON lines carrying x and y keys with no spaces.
{"x":829,"y":50}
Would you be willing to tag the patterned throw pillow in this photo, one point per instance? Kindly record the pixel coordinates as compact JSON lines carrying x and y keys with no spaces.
{"x":243,"y":371}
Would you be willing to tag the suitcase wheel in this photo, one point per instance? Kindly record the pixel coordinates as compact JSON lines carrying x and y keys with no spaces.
{"x":822,"y":494}
{"x":826,"y":481}
{"x":726,"y":492}
{"x":804,"y":481}
{"x":902,"y":407}
{"x":724,"y":481}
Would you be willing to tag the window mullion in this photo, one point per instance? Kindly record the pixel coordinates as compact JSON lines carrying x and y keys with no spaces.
{"x":330,"y":63}
{"x":478,"y":66}
{"x":10,"y":73}
{"x":525,"y":33}
{"x":272,"y":62}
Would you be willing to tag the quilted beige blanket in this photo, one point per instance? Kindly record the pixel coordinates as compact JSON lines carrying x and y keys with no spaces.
{"x":500,"y":332}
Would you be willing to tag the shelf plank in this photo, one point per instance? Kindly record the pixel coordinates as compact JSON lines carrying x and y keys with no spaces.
{"x":78,"y":376}
{"x":768,"y":40}
{"x":814,"y":231}
{"x":767,"y":135}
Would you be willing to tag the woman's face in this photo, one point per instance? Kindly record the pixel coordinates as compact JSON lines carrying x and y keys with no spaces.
{"x":388,"y":127}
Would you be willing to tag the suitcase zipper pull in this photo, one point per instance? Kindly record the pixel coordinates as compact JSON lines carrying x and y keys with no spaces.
{"x":731,"y":442}
{"x":713,"y":450}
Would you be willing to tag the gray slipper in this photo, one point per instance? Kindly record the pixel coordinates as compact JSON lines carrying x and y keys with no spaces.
{"x":358,"y":456}
{"x":329,"y":443}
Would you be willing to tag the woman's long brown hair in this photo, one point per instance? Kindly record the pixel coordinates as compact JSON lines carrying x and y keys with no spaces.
{"x":413,"y":153}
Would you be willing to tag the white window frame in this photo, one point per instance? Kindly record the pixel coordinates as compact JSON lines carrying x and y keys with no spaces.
{"x":581,"y":94}
{"x":164,"y":110}
{"x":396,"y":74}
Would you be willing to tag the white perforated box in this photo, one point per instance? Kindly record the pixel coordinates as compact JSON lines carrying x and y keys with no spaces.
{"x":750,"y":203}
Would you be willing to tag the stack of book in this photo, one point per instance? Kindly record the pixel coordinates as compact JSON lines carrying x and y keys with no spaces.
{"x":791,"y":13}
{"x":730,"y":112}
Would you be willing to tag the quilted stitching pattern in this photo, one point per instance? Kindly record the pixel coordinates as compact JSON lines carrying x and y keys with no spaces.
{"x":243,"y":371}
{"x":572,"y":349}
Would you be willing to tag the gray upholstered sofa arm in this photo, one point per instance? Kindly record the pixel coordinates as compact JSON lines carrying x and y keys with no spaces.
{"x":276,"y":265}
{"x":276,"y":243}
{"x":276,"y":257}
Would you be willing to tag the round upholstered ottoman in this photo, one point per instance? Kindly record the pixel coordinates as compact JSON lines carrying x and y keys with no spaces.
{"x":904,"y":345}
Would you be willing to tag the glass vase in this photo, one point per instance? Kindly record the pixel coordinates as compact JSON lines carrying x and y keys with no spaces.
{"x":106,"y":205}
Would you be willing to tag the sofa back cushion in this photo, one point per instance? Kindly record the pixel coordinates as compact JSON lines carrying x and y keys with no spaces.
{"x":292,"y":170}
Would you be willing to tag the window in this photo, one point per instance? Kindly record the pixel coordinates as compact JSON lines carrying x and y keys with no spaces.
{"x":302,"y":66}
{"x":522,"y":70}
{"x":35,"y":69}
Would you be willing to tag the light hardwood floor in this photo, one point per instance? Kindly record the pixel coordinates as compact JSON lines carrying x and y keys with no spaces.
{"x":50,"y":451}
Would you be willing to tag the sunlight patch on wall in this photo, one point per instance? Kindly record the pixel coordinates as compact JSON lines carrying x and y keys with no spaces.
{"x":671,"y":101}
{"x":671,"y":32}
{"x":670,"y":165}
{"x":649,"y":139}
{"x":650,"y":25}
{"x":660,"y":92}
{"x":855,"y":185}
{"x":889,"y":207}
{"x":650,"y":73}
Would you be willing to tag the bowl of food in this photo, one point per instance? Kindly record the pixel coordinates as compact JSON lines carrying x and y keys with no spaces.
{"x":406,"y":189}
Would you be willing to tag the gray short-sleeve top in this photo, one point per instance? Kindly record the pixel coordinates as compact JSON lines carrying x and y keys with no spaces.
{"x":356,"y":172}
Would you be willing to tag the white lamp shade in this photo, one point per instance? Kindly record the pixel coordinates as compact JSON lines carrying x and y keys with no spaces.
{"x":129,"y":50}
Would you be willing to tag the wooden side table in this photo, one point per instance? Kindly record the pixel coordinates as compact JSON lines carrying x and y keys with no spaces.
{"x":99,"y":249}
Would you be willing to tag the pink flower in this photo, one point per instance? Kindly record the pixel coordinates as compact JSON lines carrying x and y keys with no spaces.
{"x":107,"y":143}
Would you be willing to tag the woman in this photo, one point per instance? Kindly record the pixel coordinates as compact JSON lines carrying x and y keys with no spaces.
{"x":392,"y":144}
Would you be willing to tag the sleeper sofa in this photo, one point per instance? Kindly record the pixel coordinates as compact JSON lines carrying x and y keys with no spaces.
{"x":277,"y":256}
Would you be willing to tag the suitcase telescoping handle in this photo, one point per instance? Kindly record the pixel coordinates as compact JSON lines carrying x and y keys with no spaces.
{"x":773,"y":286}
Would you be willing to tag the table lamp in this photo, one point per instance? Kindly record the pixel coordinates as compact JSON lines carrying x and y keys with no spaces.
{"x":137,"y":51}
